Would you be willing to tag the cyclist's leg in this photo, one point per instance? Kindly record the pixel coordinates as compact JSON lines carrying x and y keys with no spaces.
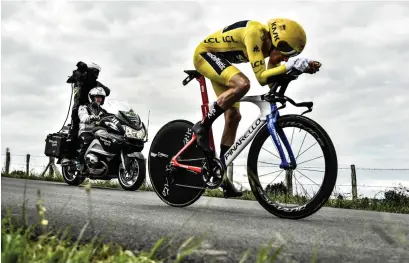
{"x":229,"y":84}
{"x":232,"y":118}
{"x":236,"y":87}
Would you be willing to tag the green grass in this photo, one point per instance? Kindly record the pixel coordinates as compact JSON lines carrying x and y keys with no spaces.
{"x":21,"y":242}
{"x":398,"y":203}
{"x":25,"y":244}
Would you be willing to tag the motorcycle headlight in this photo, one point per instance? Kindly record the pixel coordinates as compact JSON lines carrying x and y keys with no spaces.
{"x":134,"y":134}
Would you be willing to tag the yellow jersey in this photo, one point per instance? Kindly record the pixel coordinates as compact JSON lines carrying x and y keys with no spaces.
{"x":242,"y":42}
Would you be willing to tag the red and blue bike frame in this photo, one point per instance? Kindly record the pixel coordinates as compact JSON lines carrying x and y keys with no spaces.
{"x":268,"y":116}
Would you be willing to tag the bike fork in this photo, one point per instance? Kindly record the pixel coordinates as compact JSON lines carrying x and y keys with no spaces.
{"x":274,"y":130}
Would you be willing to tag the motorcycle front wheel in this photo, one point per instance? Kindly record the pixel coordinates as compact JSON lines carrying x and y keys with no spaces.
{"x":135,"y":180}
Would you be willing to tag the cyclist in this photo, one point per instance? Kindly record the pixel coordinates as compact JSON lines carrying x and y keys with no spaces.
{"x":241,"y":42}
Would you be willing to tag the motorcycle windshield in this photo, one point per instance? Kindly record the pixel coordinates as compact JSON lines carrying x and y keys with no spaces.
{"x":123,"y":110}
{"x":115,"y":106}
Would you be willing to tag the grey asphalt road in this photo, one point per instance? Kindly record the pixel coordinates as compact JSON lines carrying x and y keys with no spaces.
{"x":138,"y":219}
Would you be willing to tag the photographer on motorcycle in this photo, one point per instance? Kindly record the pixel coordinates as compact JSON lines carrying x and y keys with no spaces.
{"x":88,"y":114}
{"x":85,"y":78}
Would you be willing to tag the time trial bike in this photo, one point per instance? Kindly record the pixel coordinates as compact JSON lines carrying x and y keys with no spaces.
{"x":180,"y":172}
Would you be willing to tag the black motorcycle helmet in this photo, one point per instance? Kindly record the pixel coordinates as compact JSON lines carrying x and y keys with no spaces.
{"x":93,"y":70}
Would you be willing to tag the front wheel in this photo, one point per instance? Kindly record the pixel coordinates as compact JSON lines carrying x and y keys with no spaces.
{"x":273,"y":197}
{"x":133,"y":181}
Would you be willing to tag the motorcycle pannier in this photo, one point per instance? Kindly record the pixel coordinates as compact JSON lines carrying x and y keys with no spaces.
{"x":54,"y":145}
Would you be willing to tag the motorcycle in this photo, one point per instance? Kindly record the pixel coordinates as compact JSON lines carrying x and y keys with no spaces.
{"x":114,"y":153}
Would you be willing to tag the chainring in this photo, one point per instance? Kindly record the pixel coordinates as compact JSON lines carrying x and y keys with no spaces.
{"x":214,"y":178}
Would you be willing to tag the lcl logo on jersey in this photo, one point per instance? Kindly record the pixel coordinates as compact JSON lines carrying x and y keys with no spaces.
{"x":257,"y":63}
{"x":229,"y":39}
{"x":212,"y":40}
{"x":226,"y":39}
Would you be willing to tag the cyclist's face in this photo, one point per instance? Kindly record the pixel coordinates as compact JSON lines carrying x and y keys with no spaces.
{"x":276,"y":57}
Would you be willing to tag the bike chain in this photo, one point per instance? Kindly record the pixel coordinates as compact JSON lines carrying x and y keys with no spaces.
{"x":212,"y":180}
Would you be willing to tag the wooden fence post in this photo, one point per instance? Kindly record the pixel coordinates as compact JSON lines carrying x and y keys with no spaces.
{"x":28,"y":164}
{"x":51,"y":167}
{"x":7,"y":161}
{"x":353,"y":182}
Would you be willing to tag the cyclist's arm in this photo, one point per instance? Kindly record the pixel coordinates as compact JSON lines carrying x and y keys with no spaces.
{"x":257,"y":60}
{"x":269,"y":66}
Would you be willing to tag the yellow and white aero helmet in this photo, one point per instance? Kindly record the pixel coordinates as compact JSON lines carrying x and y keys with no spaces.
{"x":287,"y":36}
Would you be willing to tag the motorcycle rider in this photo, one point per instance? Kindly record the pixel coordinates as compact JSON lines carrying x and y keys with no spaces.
{"x":85,"y":78}
{"x":88,"y":114}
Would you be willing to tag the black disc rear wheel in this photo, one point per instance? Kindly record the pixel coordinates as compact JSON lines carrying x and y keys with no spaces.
{"x":180,"y":188}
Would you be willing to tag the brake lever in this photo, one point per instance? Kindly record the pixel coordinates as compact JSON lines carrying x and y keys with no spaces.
{"x":309,"y":110}
{"x":308,"y":104}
